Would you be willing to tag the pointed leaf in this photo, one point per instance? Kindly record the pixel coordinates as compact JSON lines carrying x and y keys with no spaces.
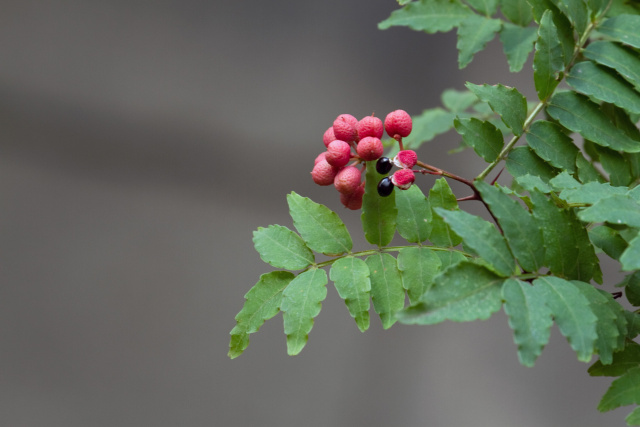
{"x":442,"y":196}
{"x":517,"y":44}
{"x":428,"y":15}
{"x":621,"y":59}
{"x":484,"y":137}
{"x":591,"y":193}
{"x":608,"y":240}
{"x":473,"y":35}
{"x":387,"y":292}
{"x":486,"y":7}
{"x":282,"y":248}
{"x":529,"y":317}
{"x":505,"y":101}
{"x":515,"y":222}
{"x":321,"y":228}
{"x":623,"y":391}
{"x":572,"y":314}
{"x":378,"y":213}
{"x":517,"y":11}
{"x":351,"y":278}
{"x":414,"y":215}
{"x":523,"y":161}
{"x":622,"y":361}
{"x":630,"y":259}
{"x":633,"y":419}
{"x":616,"y":165}
{"x":418,"y":267}
{"x":301,"y":303}
{"x":623,"y":28}
{"x":564,"y":181}
{"x":586,"y":171}
{"x":616,"y":209}
{"x":576,"y":11}
{"x":578,"y":114}
{"x":462,"y":293}
{"x":458,"y":100}
{"x":548,"y":61}
{"x":262,"y":302}
{"x":548,"y":141}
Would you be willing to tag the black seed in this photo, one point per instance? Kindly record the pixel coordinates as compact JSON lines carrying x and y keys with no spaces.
{"x":384,"y":165}
{"x":385,"y":187}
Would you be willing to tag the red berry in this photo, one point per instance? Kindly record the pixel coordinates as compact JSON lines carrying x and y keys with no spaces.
{"x":347,"y":180}
{"x":353,"y":201}
{"x":323,"y":173}
{"x":403,"y":178}
{"x":321,"y":156}
{"x":398,"y":123}
{"x":405,"y":159}
{"x":344,"y":128}
{"x":338,"y":153}
{"x":328,"y":136}
{"x":370,"y":126}
{"x":370,"y":148}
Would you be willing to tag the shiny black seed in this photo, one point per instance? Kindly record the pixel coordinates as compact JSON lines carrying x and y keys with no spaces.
{"x":384,"y":165}
{"x":385,"y":187}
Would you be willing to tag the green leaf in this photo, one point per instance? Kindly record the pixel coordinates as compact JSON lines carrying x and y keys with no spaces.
{"x":473,"y":35}
{"x":523,"y":161}
{"x":622,"y":361}
{"x":591,"y":192}
{"x":531,"y":183}
{"x":427,"y":126}
{"x":414,"y":215}
{"x":622,"y":28}
{"x":378,"y":213}
{"x":321,"y":228}
{"x":282,"y":248}
{"x":617,"y":209}
{"x":633,"y":419}
{"x":517,"y":44}
{"x":548,"y":141}
{"x":586,"y":171}
{"x":515,"y":222}
{"x":458,"y":100}
{"x":262,"y":302}
{"x":484,"y":137}
{"x":632,"y":288}
{"x":596,"y":82}
{"x":483,"y":238}
{"x":462,"y":293}
{"x":576,"y":11}
{"x":608,"y":240}
{"x":505,"y":101}
{"x":596,"y":6}
{"x":418,"y":267}
{"x":430,"y":16}
{"x":351,"y":278}
{"x":572,"y":314}
{"x":633,"y":321}
{"x":486,"y":7}
{"x":630,"y":259}
{"x":616,"y":165}
{"x":621,"y":59}
{"x":548,"y":61}
{"x":564,"y":181}
{"x":529,"y":317}
{"x":578,"y":114}
{"x":517,"y":11}
{"x":623,"y":391}
{"x":387,"y":292}
{"x":450,"y":258}
{"x":301,"y":303}
{"x":441,"y":196}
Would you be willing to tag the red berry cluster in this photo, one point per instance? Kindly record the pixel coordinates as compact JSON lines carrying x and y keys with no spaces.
{"x":363,"y":137}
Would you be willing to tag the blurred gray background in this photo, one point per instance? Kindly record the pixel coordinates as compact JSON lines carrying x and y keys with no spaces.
{"x":142,"y":142}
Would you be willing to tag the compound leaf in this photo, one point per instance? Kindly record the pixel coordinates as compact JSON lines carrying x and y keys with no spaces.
{"x":621,"y":59}
{"x":387,"y":292}
{"x":320,"y":227}
{"x":485,"y":138}
{"x":441,"y":196}
{"x":430,"y":16}
{"x":414,"y":215}
{"x":623,"y":391}
{"x":548,"y":61}
{"x":418,"y":267}
{"x":282,"y":248}
{"x":262,"y":302}
{"x":622,"y":28}
{"x":378,"y":213}
{"x":517,"y":44}
{"x":301,"y":303}
{"x":505,"y":101}
{"x":473,"y":35}
{"x":350,"y":276}
{"x":552,"y":145}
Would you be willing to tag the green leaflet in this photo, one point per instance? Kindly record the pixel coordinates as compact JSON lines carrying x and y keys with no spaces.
{"x":529,"y":317}
{"x":450,"y":258}
{"x":616,"y":165}
{"x":591,"y":192}
{"x":486,"y":7}
{"x":462,"y":293}
{"x":578,"y":114}
{"x":569,"y":252}
{"x":633,"y":324}
{"x":517,"y":11}
{"x":378,"y":213}
{"x":484,"y":137}
{"x":530,"y":183}
{"x":387,"y":292}
{"x":572,"y":314}
{"x":262,"y":302}
{"x":622,"y":361}
{"x":562,"y":24}
{"x":441,"y":196}
{"x":616,"y":209}
{"x":457,"y":100}
{"x":603,"y":85}
{"x":564,"y":181}
{"x":483,"y":238}
{"x":351,"y":278}
{"x":430,"y":16}
{"x":548,"y":141}
{"x":632,"y":288}
{"x":633,"y":419}
{"x":517,"y":44}
{"x":282,"y":248}
{"x":473,"y":35}
{"x":548,"y":61}
{"x":586,"y":171}
{"x":622,"y":28}
{"x":519,"y":228}
{"x":621,"y":59}
{"x":505,"y":101}
{"x":523,"y":161}
{"x":630,"y":259}
{"x":414,"y":215}
{"x":596,"y":6}
{"x":608,"y":240}
{"x":418,"y":267}
{"x":623,"y":391}
{"x":576,"y":11}
{"x":301,"y":302}
{"x":321,"y":228}
{"x":428,"y":125}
